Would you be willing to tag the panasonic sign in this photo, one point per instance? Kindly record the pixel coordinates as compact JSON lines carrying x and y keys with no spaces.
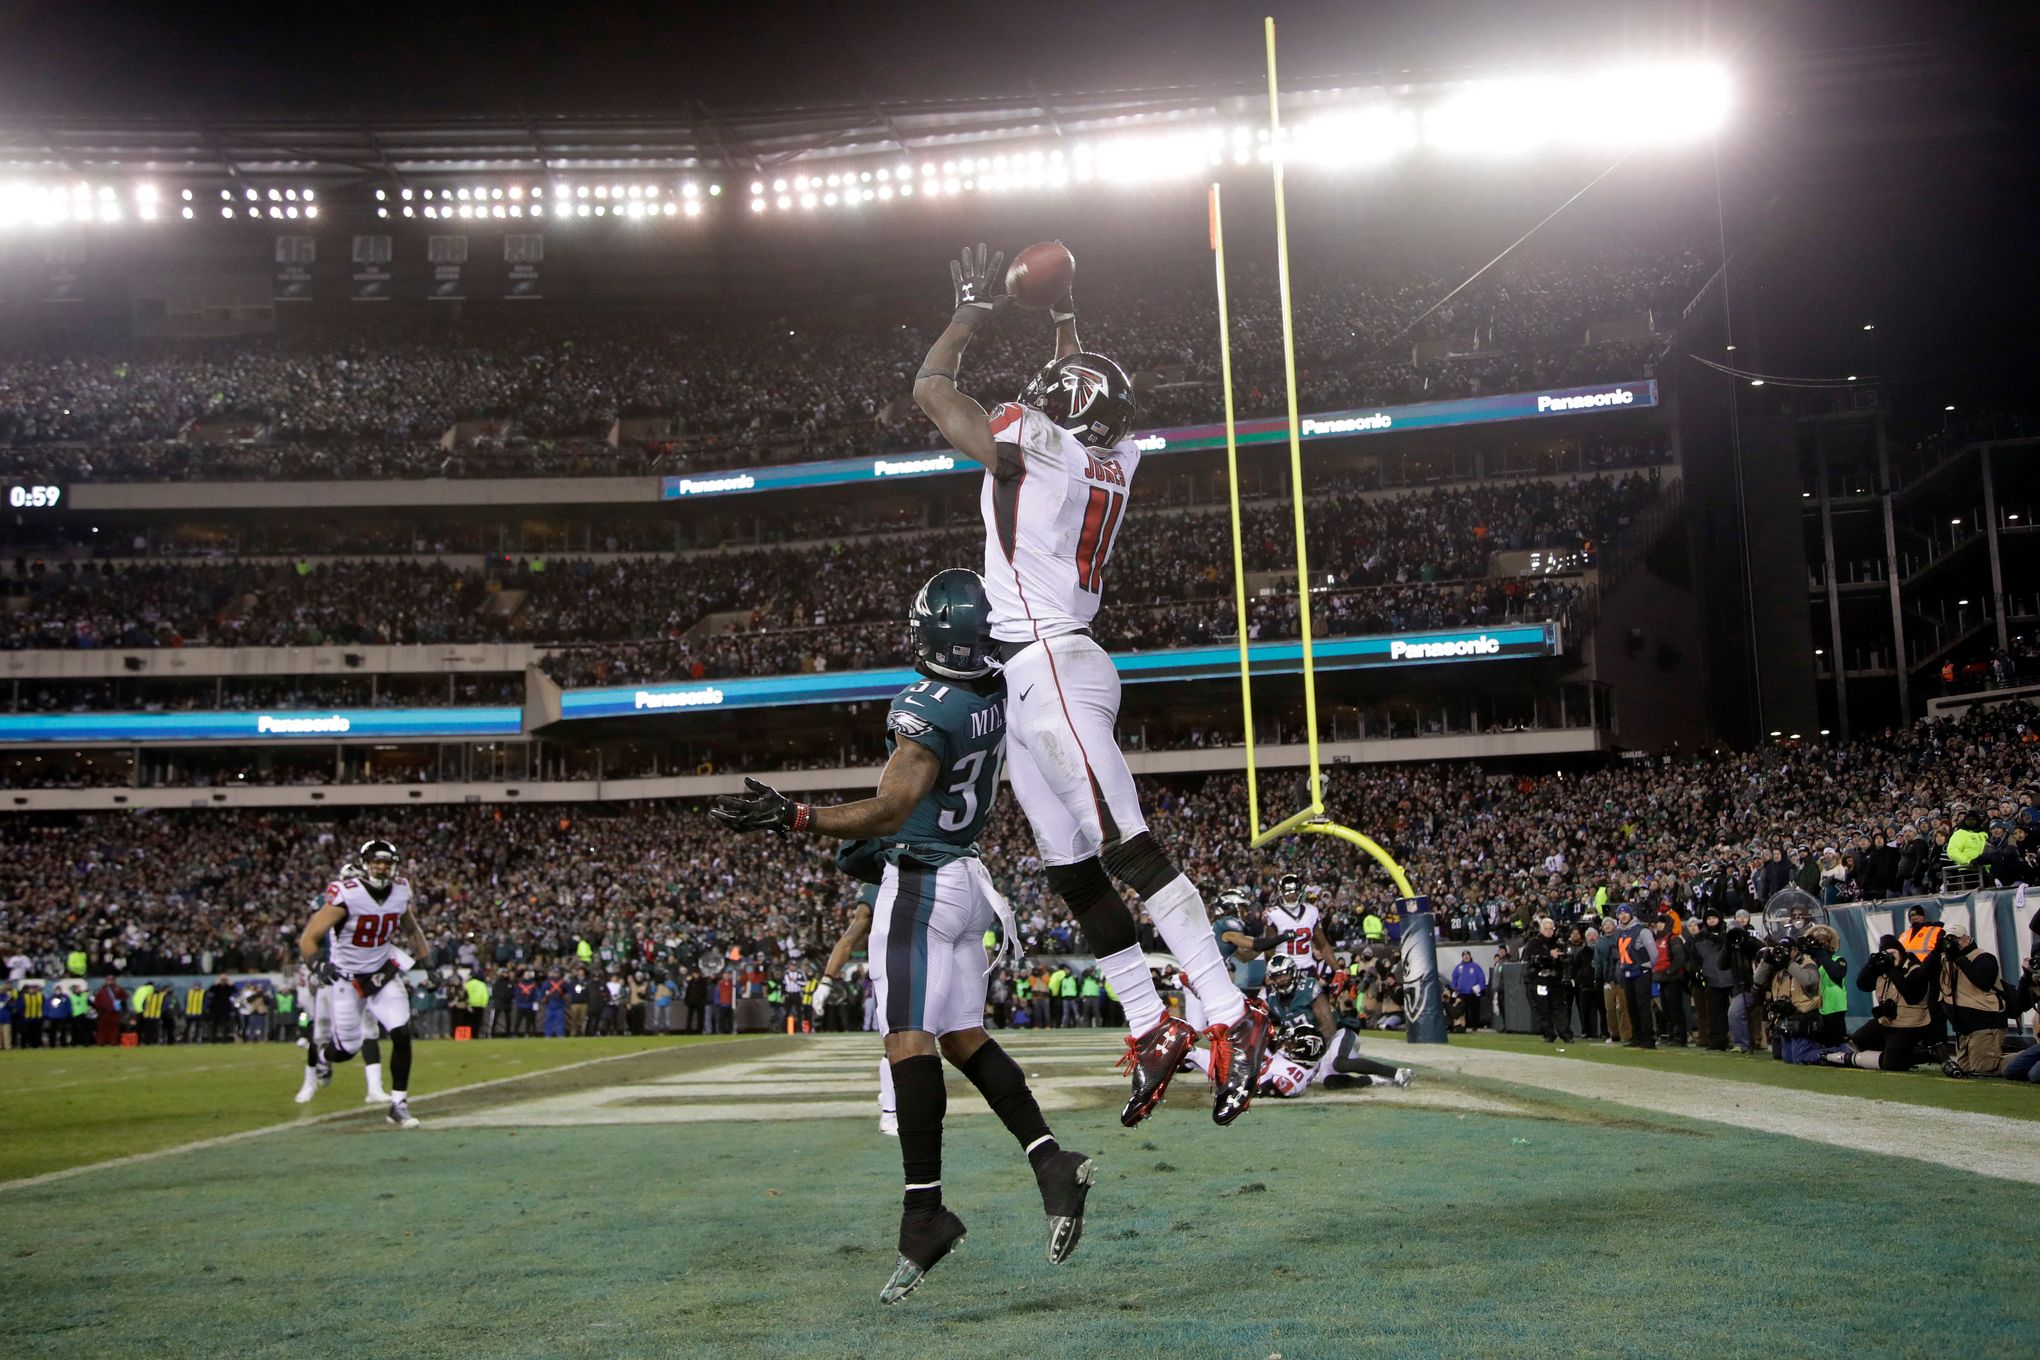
{"x":269,"y":724}
{"x":686,"y":698}
{"x":912,"y":467}
{"x":1400,"y":650}
{"x":709,"y":486}
{"x":1377,"y":420}
{"x":1587,"y":401}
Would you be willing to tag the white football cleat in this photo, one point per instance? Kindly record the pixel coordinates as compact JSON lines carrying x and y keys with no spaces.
{"x":1402,"y":1078}
{"x":400,"y":1115}
{"x":309,"y":1089}
{"x":376,"y":1098}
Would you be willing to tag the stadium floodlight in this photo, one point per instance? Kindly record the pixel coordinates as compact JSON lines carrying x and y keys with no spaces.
{"x":409,"y":210}
{"x":715,"y":191}
{"x":188,"y":213}
{"x":1364,"y":136}
{"x":757,"y":205}
{"x":227,"y":211}
{"x":785,"y":202}
{"x":693,"y":209}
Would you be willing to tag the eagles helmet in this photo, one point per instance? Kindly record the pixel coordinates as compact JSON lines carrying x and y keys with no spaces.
{"x":1290,"y":889}
{"x":951,"y":621}
{"x":1282,"y":975}
{"x":378,"y":861}
{"x":1300,"y":1040}
{"x":1086,"y":394}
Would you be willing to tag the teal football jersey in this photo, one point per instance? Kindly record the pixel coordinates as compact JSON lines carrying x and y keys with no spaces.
{"x":967,"y":732}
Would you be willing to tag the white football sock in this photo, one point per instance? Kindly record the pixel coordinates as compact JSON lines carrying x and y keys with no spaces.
{"x":1201,"y":1060}
{"x":399,"y":1096}
{"x":1178,"y":913}
{"x":374,"y":1071}
{"x":1128,"y":972}
{"x":887,"y":1103}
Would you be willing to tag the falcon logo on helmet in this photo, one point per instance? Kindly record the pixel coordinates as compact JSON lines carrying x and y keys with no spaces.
{"x":1300,"y":1040}
{"x":378,"y":861}
{"x":1086,"y":394}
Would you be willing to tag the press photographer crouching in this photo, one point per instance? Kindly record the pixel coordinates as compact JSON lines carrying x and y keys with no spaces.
{"x":1788,"y":975}
{"x":1901,"y":1028}
{"x":1973,"y":998}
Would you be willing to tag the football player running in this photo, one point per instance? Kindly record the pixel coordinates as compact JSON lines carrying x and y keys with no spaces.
{"x":364,"y":970}
{"x":935,"y":903}
{"x":1059,"y":467}
{"x":1296,"y":920}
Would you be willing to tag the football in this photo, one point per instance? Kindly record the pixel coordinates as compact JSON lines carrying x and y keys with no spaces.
{"x":1041,"y":273}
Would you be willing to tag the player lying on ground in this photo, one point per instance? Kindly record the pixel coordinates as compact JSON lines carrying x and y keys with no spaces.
{"x":1059,"y":467}
{"x":1300,"y":1057}
{"x":364,"y":908}
{"x":935,"y":903}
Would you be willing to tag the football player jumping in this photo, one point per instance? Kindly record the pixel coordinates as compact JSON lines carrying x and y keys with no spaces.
{"x":935,"y":903}
{"x":364,"y":908}
{"x":1059,"y":467}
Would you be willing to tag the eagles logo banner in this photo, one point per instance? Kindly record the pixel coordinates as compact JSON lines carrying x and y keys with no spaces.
{"x":1423,"y":1000}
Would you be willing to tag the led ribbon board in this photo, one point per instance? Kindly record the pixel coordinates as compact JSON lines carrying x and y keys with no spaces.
{"x":255,"y":726}
{"x":1187,"y":663}
{"x":1432,"y":415}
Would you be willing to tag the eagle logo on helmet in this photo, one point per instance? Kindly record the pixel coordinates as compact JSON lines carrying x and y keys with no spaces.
{"x":1282,"y":975}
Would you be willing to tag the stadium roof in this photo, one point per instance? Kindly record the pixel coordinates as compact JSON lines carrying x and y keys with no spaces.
{"x":325,"y":151}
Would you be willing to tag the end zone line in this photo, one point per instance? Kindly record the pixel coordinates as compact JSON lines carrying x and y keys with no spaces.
{"x":222,"y":1140}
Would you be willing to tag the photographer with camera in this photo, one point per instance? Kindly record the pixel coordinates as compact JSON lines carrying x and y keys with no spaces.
{"x":1715,"y":965}
{"x":2025,"y":1064}
{"x":1896,"y":1037}
{"x":1974,"y":1000}
{"x":1788,"y":977}
{"x":1546,"y":975}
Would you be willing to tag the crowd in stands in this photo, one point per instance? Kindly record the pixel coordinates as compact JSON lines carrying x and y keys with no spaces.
{"x":1378,"y":560}
{"x":243,"y":693}
{"x":744,"y":386}
{"x":212,"y":890}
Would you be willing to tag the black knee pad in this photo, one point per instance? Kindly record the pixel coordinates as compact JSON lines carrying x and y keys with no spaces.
{"x":1107,"y":924}
{"x":1140,"y":864}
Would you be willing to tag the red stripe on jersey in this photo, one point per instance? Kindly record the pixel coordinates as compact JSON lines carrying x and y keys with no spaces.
{"x":1004,"y":418}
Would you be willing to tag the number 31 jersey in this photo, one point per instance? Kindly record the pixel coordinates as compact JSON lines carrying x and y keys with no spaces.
{"x":966,"y":732}
{"x":362,"y":942}
{"x":1053,"y":509}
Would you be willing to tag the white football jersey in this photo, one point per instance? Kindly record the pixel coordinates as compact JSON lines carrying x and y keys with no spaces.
{"x":1299,"y":928}
{"x":1286,"y":1075}
{"x":362,"y":942}
{"x":1053,"y":509}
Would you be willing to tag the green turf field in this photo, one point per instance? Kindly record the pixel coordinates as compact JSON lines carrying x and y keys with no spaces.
{"x":72,"y":1106}
{"x":1331,"y":1226}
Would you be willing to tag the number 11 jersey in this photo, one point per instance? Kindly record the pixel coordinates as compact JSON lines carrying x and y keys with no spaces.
{"x":1052,"y":509}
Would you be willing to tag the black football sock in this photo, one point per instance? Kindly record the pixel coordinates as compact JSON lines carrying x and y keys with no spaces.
{"x":1352,"y":1064}
{"x":1004,"y":1086}
{"x":312,"y":1052}
{"x":400,"y":1058}
{"x":371,"y":1051}
{"x":923,"y":1101}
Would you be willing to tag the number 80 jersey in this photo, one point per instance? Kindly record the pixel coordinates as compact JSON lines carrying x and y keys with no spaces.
{"x":362,"y":942}
{"x":1052,"y":509}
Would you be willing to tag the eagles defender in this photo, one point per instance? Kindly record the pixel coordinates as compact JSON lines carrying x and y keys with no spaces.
{"x":1059,"y":467}
{"x":1295,"y":919}
{"x":362,"y":913}
{"x":935,"y":902}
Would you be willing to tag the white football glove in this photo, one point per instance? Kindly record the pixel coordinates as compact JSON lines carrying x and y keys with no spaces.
{"x":820,"y":1001}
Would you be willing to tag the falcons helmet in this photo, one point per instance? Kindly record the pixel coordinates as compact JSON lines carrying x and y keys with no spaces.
{"x":1086,"y":394}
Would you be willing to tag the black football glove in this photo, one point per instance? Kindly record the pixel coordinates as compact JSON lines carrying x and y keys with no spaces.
{"x":325,"y":971}
{"x":980,"y":287}
{"x":765,"y":809}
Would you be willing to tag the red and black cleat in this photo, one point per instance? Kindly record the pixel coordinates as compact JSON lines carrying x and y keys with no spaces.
{"x":1237,"y":1052}
{"x":1152,"y":1059}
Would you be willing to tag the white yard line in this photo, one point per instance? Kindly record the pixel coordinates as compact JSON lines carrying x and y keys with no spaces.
{"x":310,"y":1121}
{"x":1986,"y":1144}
